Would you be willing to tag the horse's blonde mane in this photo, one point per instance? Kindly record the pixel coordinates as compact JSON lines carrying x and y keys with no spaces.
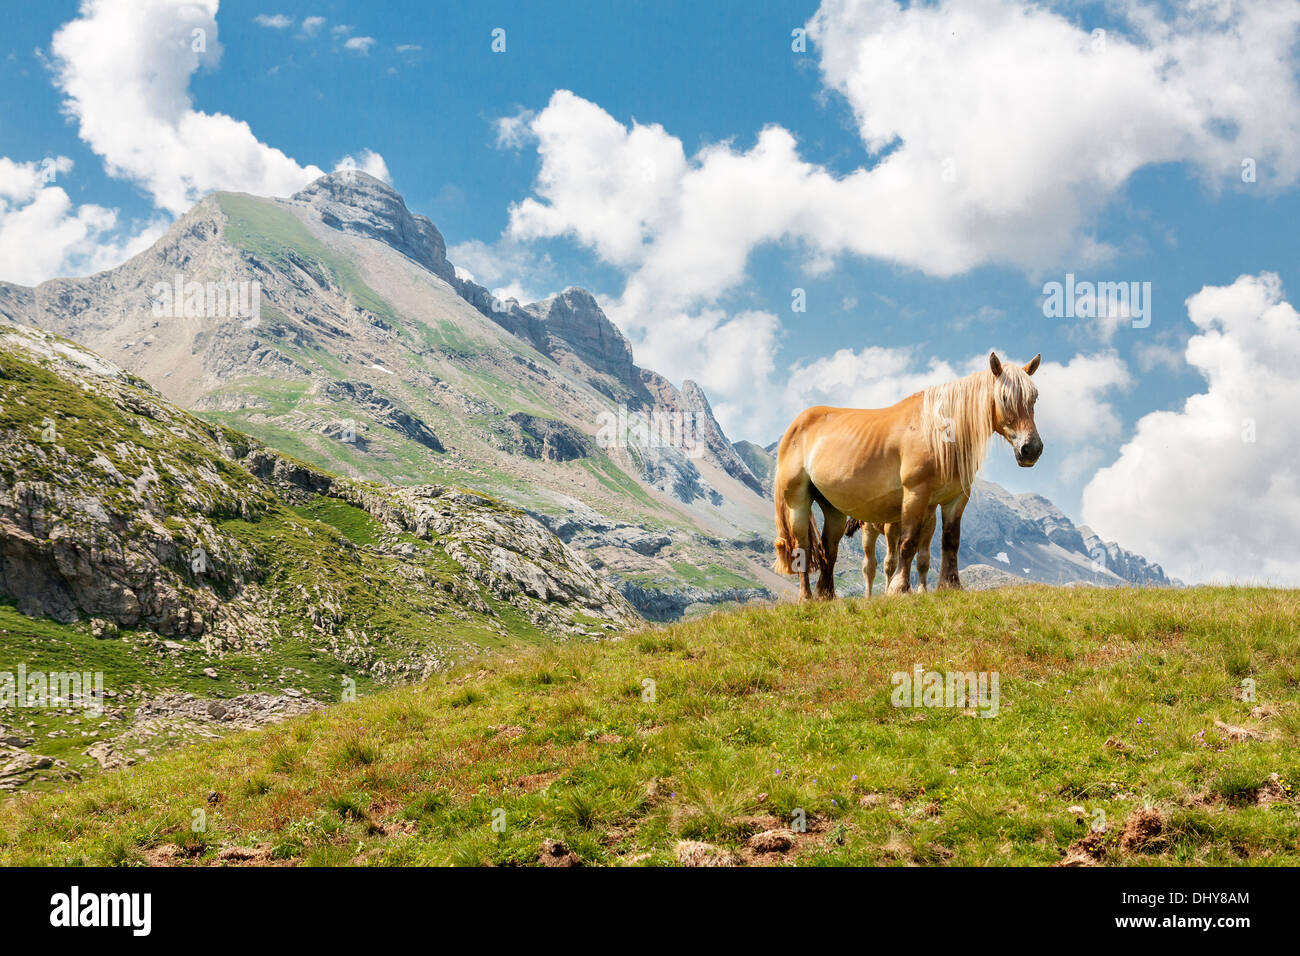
{"x":957,"y":418}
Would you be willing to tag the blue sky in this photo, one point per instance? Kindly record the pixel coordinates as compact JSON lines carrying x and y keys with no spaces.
{"x":1118,"y":169}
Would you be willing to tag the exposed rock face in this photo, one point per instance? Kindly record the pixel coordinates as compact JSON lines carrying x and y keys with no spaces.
{"x":385,"y":412}
{"x":371,"y":357}
{"x":574,"y":318}
{"x":356,"y":202}
{"x":550,"y":439}
{"x":657,"y":605}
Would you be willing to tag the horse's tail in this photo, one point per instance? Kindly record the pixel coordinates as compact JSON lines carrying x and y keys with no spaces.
{"x":785,"y":542}
{"x":851,"y":526}
{"x":817,"y":560}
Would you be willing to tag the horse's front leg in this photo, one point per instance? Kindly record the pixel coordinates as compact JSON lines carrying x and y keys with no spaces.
{"x":916,"y":502}
{"x":952,"y":512}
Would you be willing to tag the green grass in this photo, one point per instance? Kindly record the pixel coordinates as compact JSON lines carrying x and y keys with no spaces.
{"x":268,"y":231}
{"x":1108,"y":700}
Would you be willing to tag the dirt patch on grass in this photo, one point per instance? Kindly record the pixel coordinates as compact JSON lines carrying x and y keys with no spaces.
{"x":1143,"y":831}
{"x":555,"y":853}
{"x":1086,"y":851}
{"x":778,"y":840}
{"x":170,"y":854}
{"x":1273,"y":790}
{"x":259,"y":855}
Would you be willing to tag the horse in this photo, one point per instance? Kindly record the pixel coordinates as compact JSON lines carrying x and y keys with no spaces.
{"x":895,"y":465}
{"x":872,"y":531}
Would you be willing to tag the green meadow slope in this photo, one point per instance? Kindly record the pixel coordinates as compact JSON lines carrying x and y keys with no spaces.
{"x":1121,"y":711}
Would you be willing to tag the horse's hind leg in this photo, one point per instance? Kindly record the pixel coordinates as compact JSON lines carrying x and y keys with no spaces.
{"x":916,"y":508}
{"x":832,"y":532}
{"x":923,"y":553}
{"x":870,"y":532}
{"x":892,"y":531}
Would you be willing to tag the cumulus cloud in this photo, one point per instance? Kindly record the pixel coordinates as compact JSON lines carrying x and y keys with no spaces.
{"x":124,"y":68}
{"x":1212,"y":490}
{"x":359,"y":45}
{"x":311,"y":25}
{"x":273,"y":21}
{"x":44,"y":234}
{"x":996,"y":133}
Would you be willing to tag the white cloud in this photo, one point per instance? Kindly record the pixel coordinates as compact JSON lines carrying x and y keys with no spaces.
{"x":368,"y":162}
{"x":273,"y":21}
{"x":501,"y":263}
{"x":1189,"y":489}
{"x":871,"y":378}
{"x":124,"y":68}
{"x":514,"y":131}
{"x":43,"y":234}
{"x":1075,"y":399}
{"x":998,"y":133}
{"x":359,"y":45}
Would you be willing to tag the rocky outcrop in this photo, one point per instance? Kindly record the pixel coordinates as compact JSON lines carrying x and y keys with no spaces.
{"x":356,"y":202}
{"x":384,"y":412}
{"x":547,"y":438}
{"x":573,"y":321}
{"x":709,"y":434}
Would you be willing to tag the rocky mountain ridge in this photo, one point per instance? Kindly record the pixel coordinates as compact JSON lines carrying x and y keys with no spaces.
{"x":372,"y":357}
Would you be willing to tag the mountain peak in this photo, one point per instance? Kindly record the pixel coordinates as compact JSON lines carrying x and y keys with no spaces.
{"x":356,"y":202}
{"x":575,"y":317}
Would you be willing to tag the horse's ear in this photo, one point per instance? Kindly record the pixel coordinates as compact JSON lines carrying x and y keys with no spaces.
{"x":1032,"y":367}
{"x":995,"y":366}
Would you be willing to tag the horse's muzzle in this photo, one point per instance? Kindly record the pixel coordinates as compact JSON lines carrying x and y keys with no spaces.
{"x":1028,"y":453}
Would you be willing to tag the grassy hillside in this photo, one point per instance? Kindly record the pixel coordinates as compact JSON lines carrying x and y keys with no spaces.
{"x":1127,"y":702}
{"x":151,"y":546}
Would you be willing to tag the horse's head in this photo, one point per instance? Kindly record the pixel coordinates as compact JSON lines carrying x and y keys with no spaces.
{"x":1013,"y":408}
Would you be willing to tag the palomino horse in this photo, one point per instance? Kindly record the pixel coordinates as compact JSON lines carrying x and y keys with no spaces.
{"x":896,"y":464}
{"x":871,"y":532}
